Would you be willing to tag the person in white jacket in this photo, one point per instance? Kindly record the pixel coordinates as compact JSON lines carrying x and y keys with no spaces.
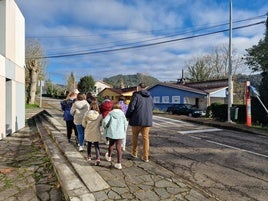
{"x":115,"y":124}
{"x":78,"y":109}
{"x":92,"y":123}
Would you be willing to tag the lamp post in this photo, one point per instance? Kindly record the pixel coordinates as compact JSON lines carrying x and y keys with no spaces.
{"x":230,"y":79}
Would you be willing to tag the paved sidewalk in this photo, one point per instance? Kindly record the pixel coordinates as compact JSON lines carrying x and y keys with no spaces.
{"x":25,"y":170}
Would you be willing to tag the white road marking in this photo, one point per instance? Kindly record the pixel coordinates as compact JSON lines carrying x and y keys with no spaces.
{"x":225,"y":145}
{"x":207,"y":130}
{"x":197,"y":138}
{"x":154,"y":123}
{"x":167,"y":121}
{"x":199,"y":131}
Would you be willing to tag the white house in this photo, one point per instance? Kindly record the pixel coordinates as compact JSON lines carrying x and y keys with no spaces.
{"x":99,"y":86}
{"x":12,"y":72}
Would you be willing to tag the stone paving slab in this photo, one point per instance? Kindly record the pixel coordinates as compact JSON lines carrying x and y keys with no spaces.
{"x":72,"y":186}
{"x":25,"y":173}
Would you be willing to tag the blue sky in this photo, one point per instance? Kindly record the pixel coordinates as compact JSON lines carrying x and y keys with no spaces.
{"x":98,"y":36}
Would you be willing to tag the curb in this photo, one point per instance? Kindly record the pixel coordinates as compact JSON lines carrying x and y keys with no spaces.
{"x":78,"y":180}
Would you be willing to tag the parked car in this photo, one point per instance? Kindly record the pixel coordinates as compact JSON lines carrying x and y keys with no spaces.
{"x":186,"y":109}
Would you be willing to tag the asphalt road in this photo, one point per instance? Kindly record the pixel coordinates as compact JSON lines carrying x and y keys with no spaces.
{"x":231,"y":165}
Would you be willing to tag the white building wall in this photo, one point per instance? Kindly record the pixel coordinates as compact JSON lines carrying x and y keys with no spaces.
{"x":2,"y":30}
{"x":3,"y":104}
{"x":99,"y":86}
{"x":12,"y":72}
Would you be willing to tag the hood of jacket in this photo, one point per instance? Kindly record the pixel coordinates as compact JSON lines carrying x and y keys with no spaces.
{"x":145,"y":93}
{"x":107,"y":105}
{"x":91,"y":115}
{"x":116,"y":113}
{"x":83,"y":104}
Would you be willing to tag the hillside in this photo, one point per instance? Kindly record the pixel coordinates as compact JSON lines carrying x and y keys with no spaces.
{"x":130,"y":80}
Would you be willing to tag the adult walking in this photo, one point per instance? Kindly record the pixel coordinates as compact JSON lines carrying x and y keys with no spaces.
{"x":140,"y":116}
{"x":78,"y":109}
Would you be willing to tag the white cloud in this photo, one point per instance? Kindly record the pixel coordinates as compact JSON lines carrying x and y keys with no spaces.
{"x":102,"y":24}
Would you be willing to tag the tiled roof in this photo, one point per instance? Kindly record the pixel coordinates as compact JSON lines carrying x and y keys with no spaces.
{"x":181,"y":87}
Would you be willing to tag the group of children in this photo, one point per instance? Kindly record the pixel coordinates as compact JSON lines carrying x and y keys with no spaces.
{"x":89,"y":117}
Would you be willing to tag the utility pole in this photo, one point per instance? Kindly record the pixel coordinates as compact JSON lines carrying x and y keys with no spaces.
{"x":230,"y":79}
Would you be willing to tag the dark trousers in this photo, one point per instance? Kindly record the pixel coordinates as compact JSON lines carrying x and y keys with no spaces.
{"x":70,"y":127}
{"x":97,"y":149}
{"x":117,"y":143}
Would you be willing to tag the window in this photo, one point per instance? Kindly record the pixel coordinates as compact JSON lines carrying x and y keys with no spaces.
{"x":165,"y":99}
{"x":156,"y":99}
{"x":175,"y":99}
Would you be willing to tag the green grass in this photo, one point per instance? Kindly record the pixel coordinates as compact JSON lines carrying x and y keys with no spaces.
{"x":29,"y":106}
{"x":260,"y":127}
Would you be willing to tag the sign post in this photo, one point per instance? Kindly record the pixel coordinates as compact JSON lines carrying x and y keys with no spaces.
{"x":248,"y":104}
{"x":41,"y":91}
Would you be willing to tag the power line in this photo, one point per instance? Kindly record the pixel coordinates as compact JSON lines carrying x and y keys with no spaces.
{"x":144,"y":45}
{"x":79,"y":48}
{"x":151,"y":31}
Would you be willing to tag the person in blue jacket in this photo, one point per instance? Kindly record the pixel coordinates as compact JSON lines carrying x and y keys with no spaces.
{"x":115,"y":124}
{"x":140,"y":116}
{"x":68,"y":118}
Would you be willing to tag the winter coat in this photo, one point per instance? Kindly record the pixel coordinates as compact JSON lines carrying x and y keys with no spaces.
{"x":66,"y":107}
{"x":92,"y":123}
{"x":117,"y":126}
{"x":140,"y":109}
{"x":78,"y":109}
{"x":105,"y":107}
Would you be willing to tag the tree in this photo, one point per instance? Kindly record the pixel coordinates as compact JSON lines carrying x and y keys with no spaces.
{"x":257,"y":60}
{"x":34,"y":68}
{"x":257,"y":56}
{"x":86,"y":84}
{"x":71,"y":82}
{"x":213,"y":65}
{"x":198,"y":69}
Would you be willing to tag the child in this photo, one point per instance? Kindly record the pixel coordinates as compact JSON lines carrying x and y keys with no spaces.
{"x":68,"y":118}
{"x":78,"y":109}
{"x":105,"y":107}
{"x":92,"y":122}
{"x":124,"y":107}
{"x":115,"y":124}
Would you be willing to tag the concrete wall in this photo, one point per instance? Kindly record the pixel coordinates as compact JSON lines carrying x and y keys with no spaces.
{"x":12,"y":72}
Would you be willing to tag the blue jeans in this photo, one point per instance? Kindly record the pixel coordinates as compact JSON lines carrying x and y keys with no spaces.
{"x":80,"y":130}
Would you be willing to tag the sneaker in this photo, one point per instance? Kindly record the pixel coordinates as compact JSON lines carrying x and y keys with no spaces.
{"x":134,"y":156}
{"x":81,"y":148}
{"x":88,"y":158}
{"x":118,"y":166}
{"x":107,"y":157}
{"x":145,"y":160}
{"x":97,"y":163}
